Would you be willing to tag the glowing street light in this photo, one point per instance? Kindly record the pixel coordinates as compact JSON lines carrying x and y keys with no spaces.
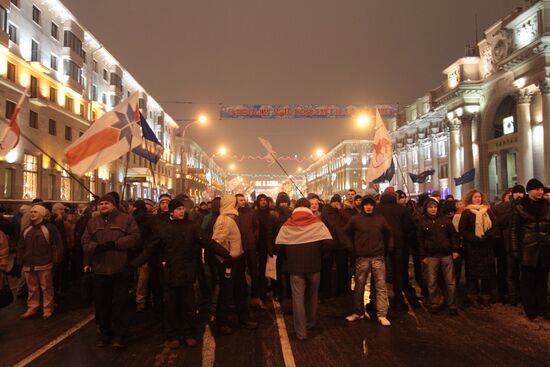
{"x":203,"y":119}
{"x":319,"y":153}
{"x":232,"y":167}
{"x":362,"y":120}
{"x":222,"y":151}
{"x":299,"y":169}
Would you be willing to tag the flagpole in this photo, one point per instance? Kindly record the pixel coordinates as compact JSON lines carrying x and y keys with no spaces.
{"x":126,"y":170}
{"x":290,"y":178}
{"x":402,"y":175}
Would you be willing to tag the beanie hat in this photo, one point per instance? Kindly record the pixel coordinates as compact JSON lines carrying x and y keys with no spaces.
{"x":336,"y":198}
{"x":368,"y":200}
{"x":174,"y":204}
{"x":58,"y":206}
{"x":109,"y":198}
{"x":357,"y":197}
{"x":282,"y":197}
{"x":518,"y":188}
{"x":115,"y":196}
{"x":40,"y":209}
{"x":164,"y":197}
{"x":149,"y":202}
{"x":534,"y":184}
{"x":401,"y":194}
{"x":139,"y":205}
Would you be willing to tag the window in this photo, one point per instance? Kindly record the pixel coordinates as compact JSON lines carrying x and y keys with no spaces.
{"x":53,"y":95}
{"x":33,"y":119}
{"x":35,"y":56}
{"x":94,"y":66}
{"x":52,"y":127}
{"x":443,"y":171}
{"x":68,"y":133}
{"x":72,"y":70}
{"x":442,"y":146}
{"x":12,"y":32}
{"x":36,"y":14}
{"x":10,"y":108}
{"x":30,"y":176}
{"x":15,"y":2}
{"x":105,"y":75}
{"x":83,"y":55}
{"x":34,"y":87}
{"x":104,"y":98}
{"x":73,"y":42}
{"x":116,"y":81}
{"x":94,"y":92}
{"x":65,"y":185}
{"x":69,"y":104}
{"x":51,"y":186}
{"x":415,"y":157}
{"x":428,"y":153}
{"x":82,"y":110}
{"x":53,"y":62}
{"x":55,"y":31}
{"x":3,"y":18}
{"x":11,"y":72}
{"x":9,"y":174}
{"x":508,"y":125}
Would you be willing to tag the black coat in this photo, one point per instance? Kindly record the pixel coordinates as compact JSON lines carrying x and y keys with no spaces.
{"x":303,"y":258}
{"x":371,"y":235}
{"x":437,"y":237}
{"x":530,"y":232}
{"x":479,"y":253}
{"x":398,"y":218}
{"x":266,"y":227}
{"x":249,"y":227}
{"x":335,"y":221}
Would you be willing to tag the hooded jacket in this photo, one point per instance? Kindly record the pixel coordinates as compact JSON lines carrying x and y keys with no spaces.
{"x":335,"y":221}
{"x":249,"y":227}
{"x":436,"y":235}
{"x":371,"y":235}
{"x":398,"y":218}
{"x":226,"y":231}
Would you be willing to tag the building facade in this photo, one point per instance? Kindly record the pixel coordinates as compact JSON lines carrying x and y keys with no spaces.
{"x":72,"y":80}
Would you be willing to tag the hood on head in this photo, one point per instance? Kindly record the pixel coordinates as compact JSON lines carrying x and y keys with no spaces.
{"x":228,"y":205}
{"x":282,"y":197}
{"x":388,"y":197}
{"x":428,"y":201}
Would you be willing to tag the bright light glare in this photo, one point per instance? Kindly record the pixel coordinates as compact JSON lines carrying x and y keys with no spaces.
{"x":222,"y":151}
{"x":232,"y":167}
{"x":299,"y":169}
{"x":362,"y":120}
{"x":203,"y":119}
{"x":319,"y":153}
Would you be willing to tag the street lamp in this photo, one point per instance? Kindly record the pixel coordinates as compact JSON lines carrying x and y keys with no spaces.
{"x":319,"y":153}
{"x":222,"y":151}
{"x":362,"y":120}
{"x":202,"y":119}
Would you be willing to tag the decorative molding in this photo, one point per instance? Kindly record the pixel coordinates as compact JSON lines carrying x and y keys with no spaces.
{"x":453,"y":124}
{"x":544,"y":86}
{"x":523,"y":96}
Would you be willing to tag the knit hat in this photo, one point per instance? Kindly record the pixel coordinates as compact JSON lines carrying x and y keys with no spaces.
{"x":40,"y":209}
{"x":164,"y":197}
{"x":534,"y":184}
{"x":282,"y":197}
{"x":109,"y":198}
{"x":390,"y":189}
{"x":518,"y":188}
{"x":149,"y":202}
{"x":57,"y":206}
{"x":115,"y":196}
{"x":368,"y":200}
{"x":174,"y":204}
{"x":336,"y":198}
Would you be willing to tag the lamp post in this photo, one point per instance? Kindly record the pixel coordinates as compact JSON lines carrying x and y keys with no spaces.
{"x":221,"y":152}
{"x":202,"y":119}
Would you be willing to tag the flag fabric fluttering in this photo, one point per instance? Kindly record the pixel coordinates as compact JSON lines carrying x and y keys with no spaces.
{"x":112,"y":135}
{"x":466,"y":177}
{"x":10,"y":136}
{"x":150,"y":148}
{"x":387,"y":175}
{"x":270,"y":156}
{"x":421,"y":177}
{"x":381,"y":156}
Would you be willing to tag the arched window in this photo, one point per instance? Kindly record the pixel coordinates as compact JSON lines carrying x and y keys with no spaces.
{"x":505,"y":118}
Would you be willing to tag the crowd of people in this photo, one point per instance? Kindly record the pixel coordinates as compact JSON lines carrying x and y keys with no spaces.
{"x":190,"y":262}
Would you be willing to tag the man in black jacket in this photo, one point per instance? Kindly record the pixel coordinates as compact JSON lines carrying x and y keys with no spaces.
{"x":266,"y":222}
{"x":282,"y":212}
{"x":530,"y":242}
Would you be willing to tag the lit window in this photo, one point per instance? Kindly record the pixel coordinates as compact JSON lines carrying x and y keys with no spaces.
{"x":508,"y":125}
{"x":53,"y":94}
{"x":9,"y":175}
{"x":30,"y":176}
{"x":65,"y":186}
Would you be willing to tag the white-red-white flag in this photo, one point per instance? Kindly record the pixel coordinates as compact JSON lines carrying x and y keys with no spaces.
{"x":10,"y":136}
{"x":381,"y":156}
{"x":271,"y":154}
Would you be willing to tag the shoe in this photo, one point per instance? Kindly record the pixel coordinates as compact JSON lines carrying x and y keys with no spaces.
{"x":28,"y":314}
{"x":384,"y":321}
{"x":191,"y":342}
{"x":102,"y":342}
{"x":225,"y":330}
{"x":453,"y":311}
{"x":118,"y":344}
{"x":355,"y":317}
{"x":47,"y":314}
{"x":174,"y":344}
{"x":249,"y":325}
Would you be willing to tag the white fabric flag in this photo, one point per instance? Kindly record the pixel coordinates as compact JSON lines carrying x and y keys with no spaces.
{"x":381,"y":156}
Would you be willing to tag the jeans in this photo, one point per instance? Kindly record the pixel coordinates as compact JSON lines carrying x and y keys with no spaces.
{"x":232,"y":288}
{"x":142,"y":288}
{"x":363,"y":266}
{"x":36,"y":280}
{"x":305,"y":288}
{"x":433,"y":266}
{"x":180,"y":312}
{"x":110,"y":293}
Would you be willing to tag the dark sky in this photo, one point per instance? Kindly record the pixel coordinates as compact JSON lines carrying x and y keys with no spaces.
{"x":286,"y":51}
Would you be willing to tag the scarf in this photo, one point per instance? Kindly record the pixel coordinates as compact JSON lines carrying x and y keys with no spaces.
{"x":483,"y":221}
{"x":302,"y":227}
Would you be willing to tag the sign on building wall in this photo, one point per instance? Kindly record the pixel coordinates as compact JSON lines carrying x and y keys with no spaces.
{"x":303,"y":111}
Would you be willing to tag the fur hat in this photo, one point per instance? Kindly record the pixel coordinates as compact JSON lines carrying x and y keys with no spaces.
{"x":115,"y":196}
{"x":282,"y":197}
{"x":40,"y":209}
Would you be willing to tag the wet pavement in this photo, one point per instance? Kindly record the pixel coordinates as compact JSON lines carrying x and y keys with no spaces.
{"x":499,"y":335}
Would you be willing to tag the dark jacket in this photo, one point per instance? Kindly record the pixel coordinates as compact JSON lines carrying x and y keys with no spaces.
{"x":503,"y":213}
{"x":437,"y":237}
{"x":117,"y":227}
{"x":281,"y":215}
{"x":39,"y":246}
{"x":371,"y":235}
{"x":335,"y":222}
{"x":530,"y":232}
{"x":303,"y":258}
{"x":144,"y":221}
{"x":249,"y":227}
{"x":266,"y":224}
{"x":480,"y":258}
{"x":398,"y":218}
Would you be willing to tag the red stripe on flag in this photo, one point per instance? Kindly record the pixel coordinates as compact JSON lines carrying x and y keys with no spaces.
{"x":96,"y":143}
{"x":14,"y":125}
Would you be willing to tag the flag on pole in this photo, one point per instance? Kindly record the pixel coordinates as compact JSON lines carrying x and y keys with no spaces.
{"x":466,"y":177}
{"x":270,"y":152}
{"x":386,"y":176}
{"x":381,"y":156}
{"x":421,"y":177}
{"x":151,"y":148}
{"x":10,"y":136}
{"x":108,"y":138}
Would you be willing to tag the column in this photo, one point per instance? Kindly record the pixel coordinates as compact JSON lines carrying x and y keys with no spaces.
{"x":454,"y":155}
{"x":544,"y":87}
{"x":435,"y":164}
{"x":410,"y":187}
{"x":525,"y":149}
{"x":468,"y":157}
{"x":399,"y":178}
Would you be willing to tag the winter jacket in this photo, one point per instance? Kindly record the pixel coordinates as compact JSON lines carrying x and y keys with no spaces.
{"x":335,"y":222}
{"x":479,"y":252}
{"x":226,"y":231}
{"x":371,"y":235}
{"x":4,"y":251}
{"x":39,"y":247}
{"x":117,"y":227}
{"x":530,"y":232}
{"x":266,"y":224}
{"x":398,"y":218}
{"x":249,"y":226}
{"x":437,"y":237}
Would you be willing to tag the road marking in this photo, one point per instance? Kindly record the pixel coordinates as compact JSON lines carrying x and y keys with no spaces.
{"x":283,"y":336}
{"x":208,"y":347}
{"x":54,"y":342}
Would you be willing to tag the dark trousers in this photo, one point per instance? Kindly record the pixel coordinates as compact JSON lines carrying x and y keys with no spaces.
{"x":262,"y":280}
{"x":339,"y":257}
{"x":512,"y":279}
{"x":397,"y":258}
{"x":533,"y":290}
{"x":457,"y":266}
{"x":473,"y":287}
{"x":281,"y":286}
{"x":502,"y":269}
{"x":155,"y":284}
{"x":418,"y":272}
{"x":232,"y":288}
{"x":180,"y":312}
{"x":253,"y":270}
{"x":110,"y":293}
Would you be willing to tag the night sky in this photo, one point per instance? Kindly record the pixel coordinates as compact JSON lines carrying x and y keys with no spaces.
{"x":266,"y":52}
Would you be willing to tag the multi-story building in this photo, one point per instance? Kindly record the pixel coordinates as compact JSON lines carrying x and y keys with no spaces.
{"x":72,"y":81}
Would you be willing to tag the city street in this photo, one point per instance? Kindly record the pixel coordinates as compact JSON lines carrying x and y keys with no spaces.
{"x":499,"y":336}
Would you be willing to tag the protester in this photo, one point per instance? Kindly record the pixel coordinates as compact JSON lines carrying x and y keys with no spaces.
{"x":143,"y":219}
{"x":282,"y":212}
{"x":266,"y":222}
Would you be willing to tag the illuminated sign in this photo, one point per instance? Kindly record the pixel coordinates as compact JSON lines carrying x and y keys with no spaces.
{"x":302,"y":111}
